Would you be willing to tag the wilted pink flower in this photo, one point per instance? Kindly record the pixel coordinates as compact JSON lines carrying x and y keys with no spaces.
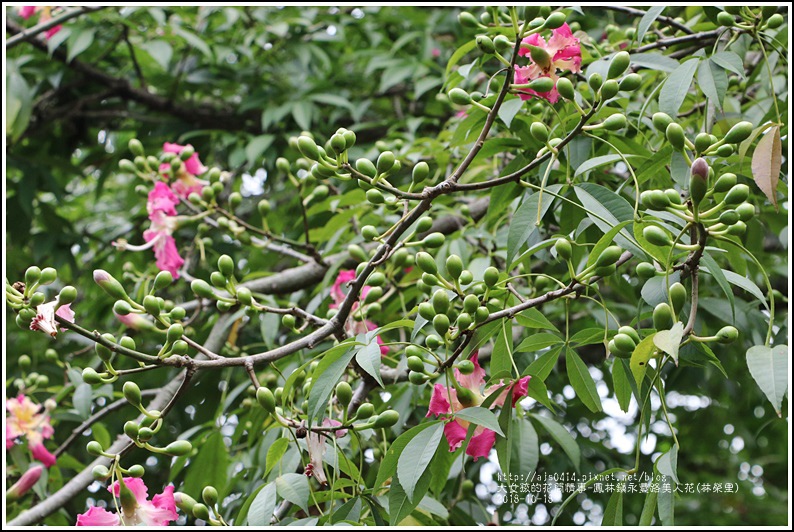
{"x":162,"y":213}
{"x":136,"y":510}
{"x":45,"y":318}
{"x":562,"y":52}
{"x":315,"y":442}
{"x":25,"y":482}
{"x":186,"y":181}
{"x":25,"y":419}
{"x":352,"y":326}
{"x":28,"y":11}
{"x":444,"y":400}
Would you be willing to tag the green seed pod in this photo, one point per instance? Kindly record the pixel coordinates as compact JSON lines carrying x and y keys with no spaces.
{"x":434,"y":240}
{"x":136,"y":471}
{"x":459,"y":96}
{"x":745,"y":211}
{"x":174,"y":333}
{"x":608,"y":257}
{"x":541,"y":85}
{"x":615,"y":350}
{"x":132,"y":393}
{"x":698,"y":180}
{"x":178,"y":448}
{"x":725,"y":182}
{"x":630,"y":83}
{"x":202,"y":289}
{"x":727,"y":335}
{"x":90,"y":376}
{"x":539,"y":131}
{"x":416,"y":364}
{"x":565,"y":88}
{"x":308,"y":148}
{"x":417,"y":378}
{"x":775,"y":21}
{"x":365,"y":167}
{"x":481,"y":315}
{"x":609,"y":89}
{"x":440,"y":301}
{"x":738,"y":194}
{"x":502,"y":43}
{"x":661,"y":121}
{"x":620,"y":62}
{"x":466,"y":367}
{"x":365,"y":411}
{"x":433,"y":342}
{"x":100,"y":472}
{"x":131,"y":429}
{"x":485,"y":44}
{"x":470,"y":303}
{"x":737,"y":229}
{"x":386,"y":419}
{"x":490,"y":276}
{"x":595,"y":81}
{"x":122,"y":308}
{"x":615,"y":122}
{"x":426,"y":310}
{"x":738,"y":133}
{"x":624,"y":343}
{"x":662,"y":317}
{"x":555,"y":20}
{"x":657,"y":236}
{"x":375,"y":196}
{"x":677,"y":297}
{"x":464,"y":321}
{"x":675,"y":136}
{"x":94,"y":448}
{"x":423,"y":224}
{"x":466,"y":277}
{"x":385,"y":162}
{"x":420,"y":172}
{"x":725,"y":19}
{"x":426,"y":262}
{"x":454,"y":266}
{"x":630,"y":332}
{"x":673,"y":196}
{"x":201,"y":512}
{"x":729,"y":217}
{"x":369,"y":232}
{"x":210,"y":496}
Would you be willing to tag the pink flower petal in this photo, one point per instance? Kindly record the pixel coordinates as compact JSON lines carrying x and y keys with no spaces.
{"x":41,"y":454}
{"x":52,"y":31}
{"x":26,"y":11}
{"x":520,"y":388}
{"x":476,"y":379}
{"x":165,"y":508}
{"x":161,"y":199}
{"x":455,"y":434}
{"x":439,"y":400}
{"x":96,"y":516}
{"x":135,"y":485}
{"x":193,"y":165}
{"x":481,"y":444}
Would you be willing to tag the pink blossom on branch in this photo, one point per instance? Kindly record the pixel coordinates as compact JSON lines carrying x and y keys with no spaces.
{"x":136,"y":510}
{"x":44,"y":320}
{"x":562,"y":52}
{"x":186,"y":182}
{"x":46,"y":14}
{"x":352,"y":326}
{"x":25,"y":418}
{"x":444,"y":401}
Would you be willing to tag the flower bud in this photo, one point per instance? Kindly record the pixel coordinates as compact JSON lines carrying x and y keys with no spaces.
{"x":308,"y":148}
{"x":677,"y":297}
{"x":136,"y":471}
{"x":745,"y":211}
{"x":433,"y":342}
{"x":100,"y":472}
{"x":662,"y":317}
{"x":608,"y":257}
{"x":490,"y":276}
{"x":466,"y":367}
{"x":266,"y":399}
{"x":459,"y":96}
{"x":609,"y":89}
{"x":90,"y":376}
{"x":630,"y":332}
{"x":468,"y":20}
{"x":661,"y":121}
{"x":375,"y":196}
{"x":454,"y":266}
{"x":702,"y":142}
{"x":620,"y":62}
{"x":440,"y":301}
{"x":420,"y":172}
{"x":738,"y":133}
{"x":737,"y":229}
{"x":624,"y":343}
{"x":365,"y":411}
{"x":132,"y":393}
{"x":539,"y":131}
{"x":727,"y":334}
{"x":434,"y":240}
{"x":738,"y":194}
{"x":565,"y":88}
{"x":595,"y":81}
{"x":470,"y":303}
{"x":365,"y":167}
{"x":94,"y":448}
{"x":386,"y":419}
{"x":427,"y":311}
{"x":630,"y":83}
{"x":37,"y":299}
{"x":725,"y":19}
{"x":502,"y":43}
{"x":657,"y":236}
{"x":32,"y":275}
{"x":554,"y":21}
{"x":775,"y":21}
{"x":615,"y":122}
{"x":344,"y":393}
{"x":441,"y":324}
{"x":210,"y":496}
{"x":373,"y":295}
{"x":104,"y":353}
{"x":110,"y":285}
{"x":417,"y":378}
{"x":184,"y":502}
{"x":485,"y":44}
{"x":729,"y":217}
{"x":416,"y":364}
{"x":675,"y":136}
{"x":67,"y":295}
{"x":202,"y":289}
{"x":542,"y":84}
{"x":698,"y":180}
{"x":200,"y":511}
{"x":131,"y":429}
{"x":179,"y":448}
{"x":226,"y":266}
{"x":48,"y":276}
{"x":540,"y":56}
{"x":25,"y":483}
{"x":218,"y":280}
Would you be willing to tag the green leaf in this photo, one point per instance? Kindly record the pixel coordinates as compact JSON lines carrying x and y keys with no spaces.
{"x":562,"y":437}
{"x":710,"y":265}
{"x":620,"y":382}
{"x":666,"y":501}
{"x":480,"y":416}
{"x":208,"y":467}
{"x":648,"y":508}
{"x":78,"y":42}
{"x":675,"y":89}
{"x":194,"y":41}
{"x":667,"y":464}
{"x":302,"y":112}
{"x":601,"y":160}
{"x":538,"y":341}
{"x":536,"y":389}
{"x":607,"y":210}
{"x":605,"y":241}
{"x":330,"y":370}
{"x":582,"y":382}
{"x":647,"y":19}
{"x":713,"y":82}
{"x":502,"y":355}
{"x":767,"y":159}
{"x":729,"y":61}
{"x":613,"y":513}
{"x":369,"y":358}
{"x":544,"y":364}
{"x":654,"y":61}
{"x":160,"y":51}
{"x":670,"y":341}
{"x":458,"y":55}
{"x":83,"y":395}
{"x":388,"y":465}
{"x":526,"y":217}
{"x":264,"y":504}
{"x":640,"y":357}
{"x":532,"y":318}
{"x":101,"y":434}
{"x":400,"y":505}
{"x":524,"y":449}
{"x":509,"y":110}
{"x":769,"y":368}
{"x":350,"y":511}
{"x":256,"y":147}
{"x":746,"y":284}
{"x":275,"y":453}
{"x":417,"y":455}
{"x":294,"y":488}
{"x":589,"y":336}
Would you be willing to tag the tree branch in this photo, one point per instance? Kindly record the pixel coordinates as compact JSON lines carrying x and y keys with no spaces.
{"x":27,"y":34}
{"x":640,"y":13}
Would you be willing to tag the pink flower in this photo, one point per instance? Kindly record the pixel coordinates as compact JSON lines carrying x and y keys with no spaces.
{"x":46,"y":14}
{"x":162,"y":213}
{"x":445,"y":401}
{"x":186,"y":182}
{"x":25,"y":419}
{"x":136,"y":322}
{"x":45,"y":318}
{"x":137,"y":510}
{"x":562,"y":52}
{"x":352,"y":326}
{"x":25,"y":482}
{"x":315,"y":443}
{"x":26,"y":11}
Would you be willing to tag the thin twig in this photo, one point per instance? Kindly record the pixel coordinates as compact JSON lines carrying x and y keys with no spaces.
{"x":661,"y":18}
{"x":28,"y":34}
